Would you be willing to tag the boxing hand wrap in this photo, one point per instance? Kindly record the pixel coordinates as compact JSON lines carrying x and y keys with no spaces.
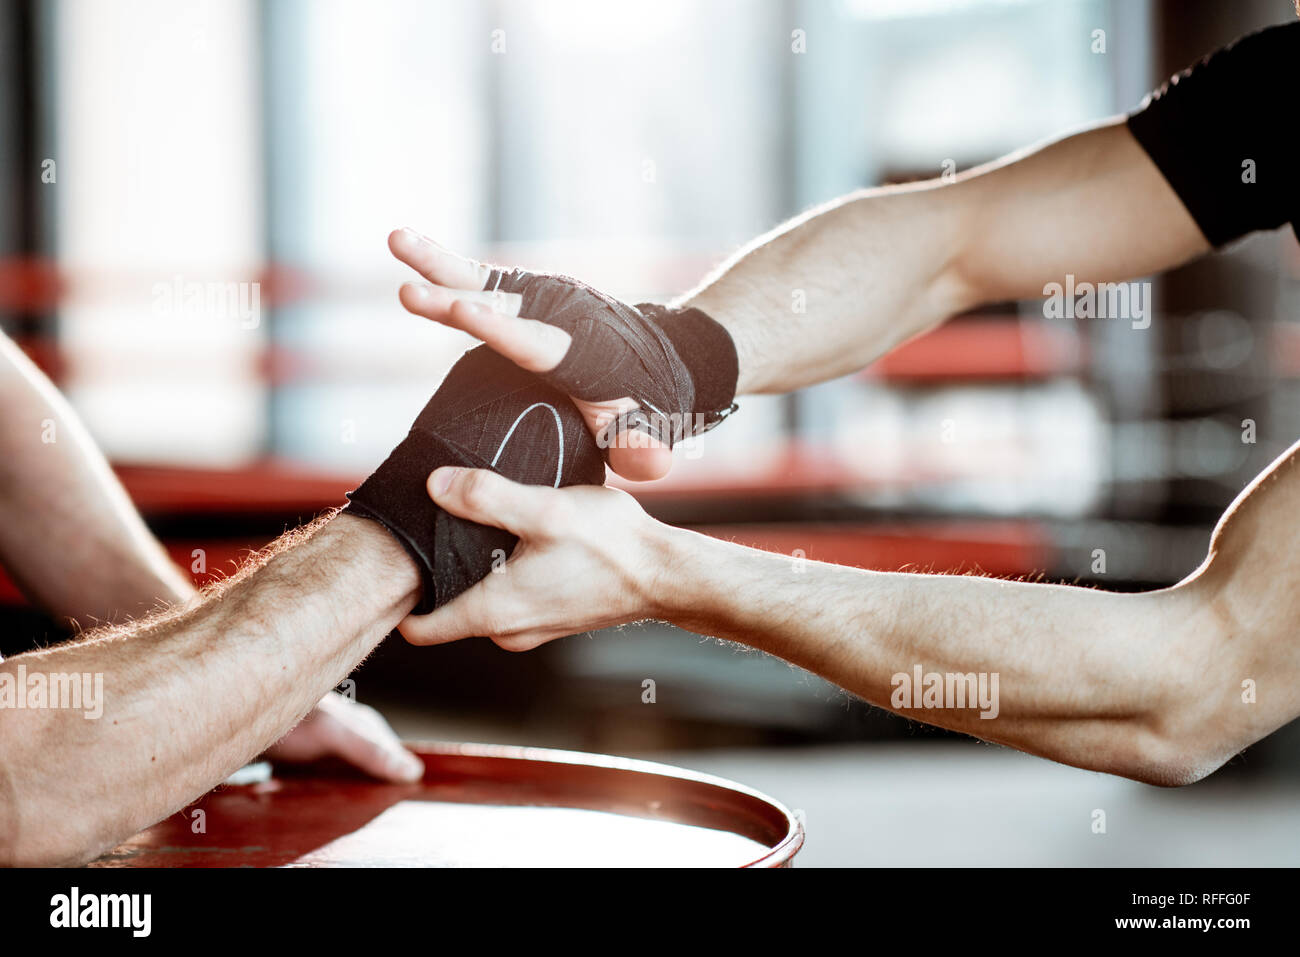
{"x":487,"y":414}
{"x":679,"y":365}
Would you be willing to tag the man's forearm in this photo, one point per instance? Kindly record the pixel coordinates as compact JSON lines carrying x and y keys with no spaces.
{"x":1085,"y":677}
{"x":836,"y":288}
{"x":831,"y":290}
{"x":192,"y":694}
{"x":68,"y":532}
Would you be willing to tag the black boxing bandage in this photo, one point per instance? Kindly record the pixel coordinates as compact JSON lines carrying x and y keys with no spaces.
{"x":679,"y":365}
{"x":488,"y":414}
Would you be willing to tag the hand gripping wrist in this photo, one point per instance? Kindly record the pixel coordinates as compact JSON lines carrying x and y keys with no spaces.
{"x":487,"y":414}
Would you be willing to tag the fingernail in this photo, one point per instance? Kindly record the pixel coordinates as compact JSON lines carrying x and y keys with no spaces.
{"x":484,"y":312}
{"x":442,"y":479}
{"x":421,"y":292}
{"x":408,"y":767}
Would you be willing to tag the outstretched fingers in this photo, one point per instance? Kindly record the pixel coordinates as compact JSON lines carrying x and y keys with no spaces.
{"x":435,"y":263}
{"x":493,"y":318}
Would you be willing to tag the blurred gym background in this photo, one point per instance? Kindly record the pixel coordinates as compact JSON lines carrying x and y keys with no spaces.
{"x":193,"y":216}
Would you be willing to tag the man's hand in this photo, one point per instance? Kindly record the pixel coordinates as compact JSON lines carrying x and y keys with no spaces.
{"x":586,"y":559}
{"x":356,"y":733}
{"x":454,"y":296}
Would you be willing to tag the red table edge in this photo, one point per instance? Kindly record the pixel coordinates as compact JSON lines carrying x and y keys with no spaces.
{"x":779,"y":855}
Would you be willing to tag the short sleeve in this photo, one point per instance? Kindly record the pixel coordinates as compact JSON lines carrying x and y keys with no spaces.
{"x":1223,"y":134}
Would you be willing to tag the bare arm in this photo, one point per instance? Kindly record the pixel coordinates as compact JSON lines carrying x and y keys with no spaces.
{"x":77,"y":545}
{"x":68,"y":532}
{"x":883,"y":265}
{"x":1148,"y":686}
{"x":871,"y":269}
{"x":191,"y":694}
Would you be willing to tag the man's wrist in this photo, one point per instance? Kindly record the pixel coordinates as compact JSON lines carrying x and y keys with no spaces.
{"x":382,"y":561}
{"x":708,"y":351}
{"x":728,"y":311}
{"x":677,"y":592}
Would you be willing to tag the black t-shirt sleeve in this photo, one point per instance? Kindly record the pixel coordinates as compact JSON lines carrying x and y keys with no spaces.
{"x":1226,"y":120}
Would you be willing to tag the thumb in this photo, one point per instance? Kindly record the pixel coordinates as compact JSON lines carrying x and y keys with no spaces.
{"x":488,"y":498}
